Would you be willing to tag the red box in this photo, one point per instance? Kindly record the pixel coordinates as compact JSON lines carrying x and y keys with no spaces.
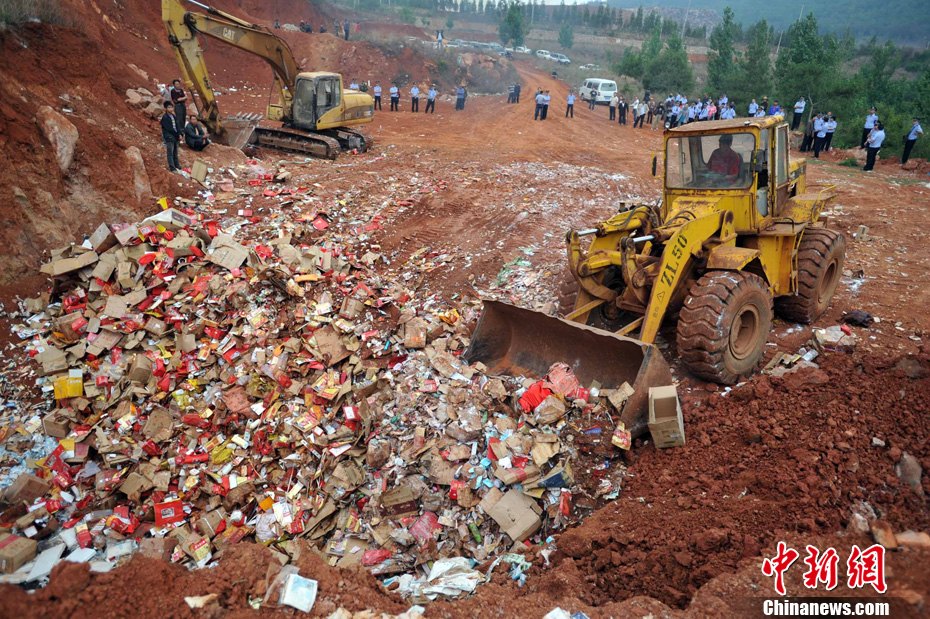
{"x":169,"y":512}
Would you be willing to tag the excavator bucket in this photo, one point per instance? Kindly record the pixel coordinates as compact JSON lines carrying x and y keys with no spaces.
{"x":238,"y":130}
{"x":515,"y":341}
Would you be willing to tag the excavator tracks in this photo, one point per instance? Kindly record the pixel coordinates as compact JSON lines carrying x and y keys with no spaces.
{"x":326,"y":144}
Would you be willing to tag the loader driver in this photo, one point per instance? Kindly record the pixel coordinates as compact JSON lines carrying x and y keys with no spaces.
{"x":725,"y":161}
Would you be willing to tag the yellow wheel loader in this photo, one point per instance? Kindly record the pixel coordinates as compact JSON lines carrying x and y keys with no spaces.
{"x":737,"y":234}
{"x":315,"y":110}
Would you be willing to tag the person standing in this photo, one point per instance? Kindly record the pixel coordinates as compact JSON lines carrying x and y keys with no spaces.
{"x":510,"y":93}
{"x":753,"y":108}
{"x":808,"y":142}
{"x":870,"y":119}
{"x":516,"y":93}
{"x":634,"y":110}
{"x":820,"y":134}
{"x":539,"y":105}
{"x":170,"y":135}
{"x":195,"y":134}
{"x":395,"y":97}
{"x":346,"y":28}
{"x":547,"y":99}
{"x":377,"y":91}
{"x":874,"y":144}
{"x":830,"y":125}
{"x":570,"y":105}
{"x":431,"y":100}
{"x":622,"y":107}
{"x":774,"y":109}
{"x":460,"y":98}
{"x":179,"y":99}
{"x":612,"y":106}
{"x":650,"y":112}
{"x":910,"y":139}
{"x":415,"y":98}
{"x":353,"y":85}
{"x":799,"y":106}
{"x":673,"y":114}
{"x":592,"y":102}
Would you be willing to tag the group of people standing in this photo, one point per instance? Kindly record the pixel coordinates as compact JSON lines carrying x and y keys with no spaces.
{"x":873,"y":137}
{"x":175,"y":124}
{"x":394,"y":93}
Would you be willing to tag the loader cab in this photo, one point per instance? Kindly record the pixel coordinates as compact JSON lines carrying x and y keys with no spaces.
{"x":743,"y":163}
{"x":315,"y":95}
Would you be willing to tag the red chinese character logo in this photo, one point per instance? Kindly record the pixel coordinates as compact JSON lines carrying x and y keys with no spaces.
{"x":821,"y":568}
{"x":867,"y":567}
{"x":779,"y":564}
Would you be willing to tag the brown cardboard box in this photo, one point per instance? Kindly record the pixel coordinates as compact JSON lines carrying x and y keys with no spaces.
{"x":208,"y":524}
{"x":171,"y":218}
{"x":56,"y":425}
{"x":69,"y":265}
{"x":517,"y":515}
{"x":666,"y":424}
{"x":102,"y":239}
{"x":126,"y":234}
{"x":15,"y":552}
{"x":158,"y":547}
{"x":549,"y":410}
{"x":53,"y":360}
{"x":158,"y":426}
{"x":26,"y":488}
{"x":516,"y":475}
{"x":141,"y":369}
{"x":185,"y":342}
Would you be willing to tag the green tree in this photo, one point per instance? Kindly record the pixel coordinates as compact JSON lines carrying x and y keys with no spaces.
{"x":721,"y":65}
{"x":671,"y":70}
{"x":809,"y":65}
{"x":566,"y":36}
{"x":513,"y":27}
{"x":753,"y":78}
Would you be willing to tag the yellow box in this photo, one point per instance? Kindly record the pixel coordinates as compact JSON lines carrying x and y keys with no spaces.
{"x":71,"y":386}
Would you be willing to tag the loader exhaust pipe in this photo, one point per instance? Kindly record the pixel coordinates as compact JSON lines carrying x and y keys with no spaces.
{"x":515,"y":341}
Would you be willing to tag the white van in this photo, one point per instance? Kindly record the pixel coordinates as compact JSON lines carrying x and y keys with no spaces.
{"x":542,"y":53}
{"x":605,"y":89}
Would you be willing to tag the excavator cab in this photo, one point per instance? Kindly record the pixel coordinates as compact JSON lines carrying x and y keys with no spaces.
{"x":314,"y":97}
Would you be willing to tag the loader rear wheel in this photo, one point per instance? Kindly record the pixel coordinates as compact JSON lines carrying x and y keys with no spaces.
{"x":820,"y":265}
{"x":723,"y":326}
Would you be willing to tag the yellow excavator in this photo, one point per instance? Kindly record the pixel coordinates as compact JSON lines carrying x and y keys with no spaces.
{"x":315,"y":110}
{"x":737,"y":233}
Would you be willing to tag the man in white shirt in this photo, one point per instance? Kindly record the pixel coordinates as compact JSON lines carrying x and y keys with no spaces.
{"x":395,"y":97}
{"x":570,"y":105}
{"x":415,"y":98}
{"x":547,"y":99}
{"x":798,"y":113}
{"x":830,"y":125}
{"x":820,"y":134}
{"x":910,"y":139}
{"x":728,"y":112}
{"x":612,"y":106}
{"x":673,"y":115}
{"x":870,"y":120}
{"x":753,"y":108}
{"x":540,"y":100}
{"x":377,"y":91}
{"x":874,"y":144}
{"x":431,"y":100}
{"x":353,"y":85}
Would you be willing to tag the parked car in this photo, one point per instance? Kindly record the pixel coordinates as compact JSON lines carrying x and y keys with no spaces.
{"x":543,"y":53}
{"x":522,"y":50}
{"x":590,"y":67}
{"x":605,"y":89}
{"x":559,"y":58}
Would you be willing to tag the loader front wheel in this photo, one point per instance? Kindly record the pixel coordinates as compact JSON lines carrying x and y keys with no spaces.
{"x":820,"y":265}
{"x":723,"y":326}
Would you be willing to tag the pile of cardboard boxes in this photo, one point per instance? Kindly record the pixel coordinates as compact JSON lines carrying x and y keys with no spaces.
{"x":206,"y":387}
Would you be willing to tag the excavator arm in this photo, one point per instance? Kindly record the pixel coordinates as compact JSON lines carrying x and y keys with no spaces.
{"x":183,"y":27}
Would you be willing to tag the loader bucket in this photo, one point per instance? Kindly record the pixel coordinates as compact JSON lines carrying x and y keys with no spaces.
{"x":515,"y":341}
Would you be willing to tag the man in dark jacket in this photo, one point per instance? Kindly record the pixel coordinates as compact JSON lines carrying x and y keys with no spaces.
{"x":179,"y":98}
{"x":195,"y":134}
{"x":170,"y":134}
